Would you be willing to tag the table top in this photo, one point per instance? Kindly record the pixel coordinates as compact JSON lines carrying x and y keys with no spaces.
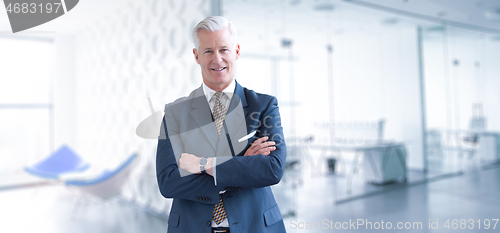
{"x":356,"y":147}
{"x":467,"y":131}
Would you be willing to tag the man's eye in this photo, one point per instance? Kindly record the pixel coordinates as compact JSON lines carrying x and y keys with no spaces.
{"x":208,"y":51}
{"x":225,"y":50}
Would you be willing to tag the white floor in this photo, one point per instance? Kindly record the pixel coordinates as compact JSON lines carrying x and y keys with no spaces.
{"x":472,"y":195}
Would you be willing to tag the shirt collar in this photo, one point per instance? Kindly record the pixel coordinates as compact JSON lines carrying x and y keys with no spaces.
{"x":229,"y":90}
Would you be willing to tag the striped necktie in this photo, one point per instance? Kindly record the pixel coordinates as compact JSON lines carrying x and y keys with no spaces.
{"x":219,"y":113}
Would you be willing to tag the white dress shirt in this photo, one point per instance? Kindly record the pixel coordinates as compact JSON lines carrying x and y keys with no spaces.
{"x":225,"y":99}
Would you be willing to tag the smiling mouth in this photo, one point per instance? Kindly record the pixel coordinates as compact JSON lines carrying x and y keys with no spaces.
{"x":219,"y":69}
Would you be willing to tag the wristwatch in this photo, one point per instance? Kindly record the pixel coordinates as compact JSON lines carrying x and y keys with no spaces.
{"x":203,"y":163}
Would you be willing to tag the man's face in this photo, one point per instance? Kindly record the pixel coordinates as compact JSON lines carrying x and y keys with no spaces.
{"x":217,"y":56}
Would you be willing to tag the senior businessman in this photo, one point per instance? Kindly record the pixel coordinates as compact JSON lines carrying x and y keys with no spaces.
{"x":222,"y":147}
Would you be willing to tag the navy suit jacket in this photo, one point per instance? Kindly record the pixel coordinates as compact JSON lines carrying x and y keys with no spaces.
{"x":249,"y":202}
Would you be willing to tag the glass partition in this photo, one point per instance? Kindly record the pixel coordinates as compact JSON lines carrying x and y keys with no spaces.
{"x":460,"y":84}
{"x":370,"y":101}
{"x":25,"y":105}
{"x":348,"y":87}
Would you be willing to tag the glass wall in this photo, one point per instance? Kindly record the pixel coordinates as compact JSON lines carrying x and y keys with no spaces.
{"x":348,"y":83}
{"x":461,"y":82}
{"x":368,"y":97}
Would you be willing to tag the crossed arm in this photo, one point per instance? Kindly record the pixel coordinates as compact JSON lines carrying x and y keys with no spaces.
{"x":190,"y":162}
{"x":262,"y":164}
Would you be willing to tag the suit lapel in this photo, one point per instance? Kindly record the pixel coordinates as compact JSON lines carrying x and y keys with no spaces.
{"x":241,"y":94}
{"x":202,"y":115}
{"x":235,"y":116}
{"x":235,"y":119}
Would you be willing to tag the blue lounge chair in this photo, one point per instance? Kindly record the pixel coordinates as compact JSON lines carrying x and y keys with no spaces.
{"x":62,"y":161}
{"x":107,"y":184}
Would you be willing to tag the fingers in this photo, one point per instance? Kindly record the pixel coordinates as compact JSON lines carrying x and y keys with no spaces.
{"x":265,"y":146}
{"x":260,"y":140}
{"x":266,"y":151}
{"x":261,"y":146}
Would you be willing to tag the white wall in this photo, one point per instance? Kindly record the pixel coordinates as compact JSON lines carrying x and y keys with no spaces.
{"x":142,"y":47}
{"x":65,"y":117}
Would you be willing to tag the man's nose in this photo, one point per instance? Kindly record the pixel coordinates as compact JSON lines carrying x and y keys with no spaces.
{"x":218,"y":57}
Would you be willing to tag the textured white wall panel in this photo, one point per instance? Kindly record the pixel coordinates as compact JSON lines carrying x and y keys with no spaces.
{"x":144,"y":47}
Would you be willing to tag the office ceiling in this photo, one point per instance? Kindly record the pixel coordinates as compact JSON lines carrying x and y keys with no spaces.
{"x":480,"y":15}
{"x":473,"y":14}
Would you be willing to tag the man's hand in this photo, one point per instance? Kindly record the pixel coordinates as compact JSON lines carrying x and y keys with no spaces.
{"x":260,"y":146}
{"x":190,"y":163}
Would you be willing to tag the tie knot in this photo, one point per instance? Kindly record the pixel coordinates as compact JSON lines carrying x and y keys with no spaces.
{"x":218,"y":95}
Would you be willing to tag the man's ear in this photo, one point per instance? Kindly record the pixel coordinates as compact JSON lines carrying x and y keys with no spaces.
{"x":237,"y":51}
{"x":195,"y":53}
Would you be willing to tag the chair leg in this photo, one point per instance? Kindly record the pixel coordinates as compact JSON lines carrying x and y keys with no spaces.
{"x":134,"y":197}
{"x":76,"y":206}
{"x":34,"y":194}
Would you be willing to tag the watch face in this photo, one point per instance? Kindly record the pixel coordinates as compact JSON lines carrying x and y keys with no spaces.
{"x":203,"y":161}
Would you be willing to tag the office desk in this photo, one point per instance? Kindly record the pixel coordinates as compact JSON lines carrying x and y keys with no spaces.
{"x":385,"y":161}
{"x":487,"y":146}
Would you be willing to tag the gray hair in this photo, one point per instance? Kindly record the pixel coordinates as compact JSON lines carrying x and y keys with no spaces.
{"x":213,"y":24}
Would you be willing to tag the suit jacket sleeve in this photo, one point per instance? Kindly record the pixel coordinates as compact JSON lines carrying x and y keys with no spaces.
{"x":258,"y":170}
{"x":195,"y":187}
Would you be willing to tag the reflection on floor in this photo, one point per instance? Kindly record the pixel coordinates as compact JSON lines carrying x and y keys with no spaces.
{"x":349,"y":176}
{"x":472,"y":195}
{"x":20,"y":179}
{"x":48,"y":209}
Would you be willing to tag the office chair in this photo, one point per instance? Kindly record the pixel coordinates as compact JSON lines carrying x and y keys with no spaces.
{"x":477,"y":124}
